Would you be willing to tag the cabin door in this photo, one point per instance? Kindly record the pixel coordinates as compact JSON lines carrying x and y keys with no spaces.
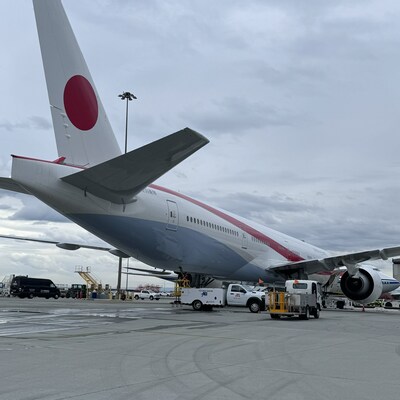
{"x":173,"y":216}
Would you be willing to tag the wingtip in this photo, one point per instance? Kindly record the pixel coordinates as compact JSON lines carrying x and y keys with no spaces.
{"x":198,"y":134}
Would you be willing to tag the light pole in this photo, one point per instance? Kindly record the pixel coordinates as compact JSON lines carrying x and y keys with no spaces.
{"x":127,"y":275}
{"x":128,"y":97}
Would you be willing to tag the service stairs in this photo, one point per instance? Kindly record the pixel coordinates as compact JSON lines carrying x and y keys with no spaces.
{"x":91,"y":281}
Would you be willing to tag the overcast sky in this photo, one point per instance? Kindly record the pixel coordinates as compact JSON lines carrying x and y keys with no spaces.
{"x":300,"y":101}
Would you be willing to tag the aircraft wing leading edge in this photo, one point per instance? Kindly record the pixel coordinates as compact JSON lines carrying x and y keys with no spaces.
{"x":121,"y":178}
{"x":69,"y":246}
{"x":330,"y":263}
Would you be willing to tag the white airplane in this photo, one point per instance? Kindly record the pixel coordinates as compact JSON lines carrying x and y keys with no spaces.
{"x":113,"y":195}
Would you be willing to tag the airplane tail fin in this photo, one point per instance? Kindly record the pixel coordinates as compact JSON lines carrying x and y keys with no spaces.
{"x":83,"y":133}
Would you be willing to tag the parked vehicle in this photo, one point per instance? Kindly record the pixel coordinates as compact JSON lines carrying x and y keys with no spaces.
{"x":146,"y":294}
{"x":63,"y":289}
{"x":4,"y":292}
{"x":76,"y":291}
{"x":235,"y":295}
{"x":301,"y":298}
{"x":23,"y":286}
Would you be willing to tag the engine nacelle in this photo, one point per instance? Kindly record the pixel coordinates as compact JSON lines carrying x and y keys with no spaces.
{"x":365,"y":288}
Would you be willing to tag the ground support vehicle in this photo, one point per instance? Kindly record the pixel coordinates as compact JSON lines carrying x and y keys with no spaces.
{"x":4,"y":291}
{"x":335,"y":301}
{"x":392,"y":304}
{"x":301,"y":298}
{"x":77,"y":291}
{"x":146,"y":294}
{"x":234,"y":295}
{"x":24,"y":286}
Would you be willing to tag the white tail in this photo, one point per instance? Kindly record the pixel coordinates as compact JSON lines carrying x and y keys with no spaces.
{"x":83,"y":133}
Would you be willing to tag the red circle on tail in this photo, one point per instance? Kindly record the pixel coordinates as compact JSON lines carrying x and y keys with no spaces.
{"x":80,"y":103}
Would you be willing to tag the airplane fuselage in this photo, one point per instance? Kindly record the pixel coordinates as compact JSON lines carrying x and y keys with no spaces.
{"x":166,"y":229}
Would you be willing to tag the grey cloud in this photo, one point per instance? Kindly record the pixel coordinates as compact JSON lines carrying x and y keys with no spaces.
{"x":32,"y":122}
{"x":38,"y":122}
{"x":234,"y":114}
{"x":34,"y":210}
{"x":289,"y":74}
{"x":6,"y":207}
{"x":247,"y":203}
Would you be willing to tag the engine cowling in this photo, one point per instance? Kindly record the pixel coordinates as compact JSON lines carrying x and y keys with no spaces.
{"x":365,"y":288}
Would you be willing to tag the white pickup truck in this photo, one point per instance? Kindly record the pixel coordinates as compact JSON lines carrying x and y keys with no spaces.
{"x":146,"y":294}
{"x":235,"y":295}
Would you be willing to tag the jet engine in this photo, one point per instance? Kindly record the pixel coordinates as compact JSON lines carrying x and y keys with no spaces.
{"x":365,"y":287}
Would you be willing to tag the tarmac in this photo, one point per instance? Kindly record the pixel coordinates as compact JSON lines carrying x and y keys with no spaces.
{"x":99,"y":349}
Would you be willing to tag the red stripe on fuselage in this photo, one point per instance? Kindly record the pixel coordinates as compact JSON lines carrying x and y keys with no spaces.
{"x":59,"y":161}
{"x":283,"y":251}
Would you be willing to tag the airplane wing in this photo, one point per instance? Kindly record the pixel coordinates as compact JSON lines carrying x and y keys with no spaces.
{"x":69,"y":246}
{"x":121,"y":178}
{"x":330,"y":263}
{"x":155,"y":271}
{"x":10,"y":184}
{"x":166,"y":278}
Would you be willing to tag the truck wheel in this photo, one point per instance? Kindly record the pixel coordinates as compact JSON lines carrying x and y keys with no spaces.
{"x":254,"y":306}
{"x":136,"y":297}
{"x":30,"y":296}
{"x":197,"y":305}
{"x":316,"y":313}
{"x":389,"y":304}
{"x":56,"y":296}
{"x":275,"y":316}
{"x":151,"y":298}
{"x":340,"y":304}
{"x":306,"y":315}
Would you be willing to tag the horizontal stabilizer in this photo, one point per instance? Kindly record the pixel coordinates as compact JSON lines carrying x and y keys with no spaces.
{"x":120,"y":179}
{"x":10,"y":184}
